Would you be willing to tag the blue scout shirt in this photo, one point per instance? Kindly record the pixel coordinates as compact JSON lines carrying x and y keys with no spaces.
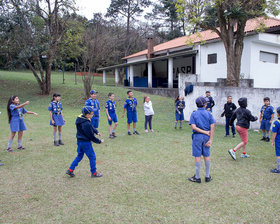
{"x":17,"y":113}
{"x":202,"y":119}
{"x":276,"y":129}
{"x":55,"y":107}
{"x":267,"y":112}
{"x":130,"y":104}
{"x":180,"y":106}
{"x":111,"y":106}
{"x":95,"y":106}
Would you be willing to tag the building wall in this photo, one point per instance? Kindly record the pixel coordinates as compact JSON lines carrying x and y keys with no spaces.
{"x":265,"y":74}
{"x":255,"y":99}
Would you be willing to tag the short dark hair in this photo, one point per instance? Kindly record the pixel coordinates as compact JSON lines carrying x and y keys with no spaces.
{"x":266,"y":98}
{"x":199,"y":105}
{"x":110,"y":94}
{"x":207,"y":91}
{"x":229,"y":96}
{"x":129,"y":91}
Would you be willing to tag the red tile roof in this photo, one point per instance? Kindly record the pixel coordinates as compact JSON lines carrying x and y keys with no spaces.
{"x":207,"y":35}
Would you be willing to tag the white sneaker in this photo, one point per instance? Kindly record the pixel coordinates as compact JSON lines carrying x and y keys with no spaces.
{"x":146,"y":131}
{"x":244,"y":156}
{"x":232,"y":154}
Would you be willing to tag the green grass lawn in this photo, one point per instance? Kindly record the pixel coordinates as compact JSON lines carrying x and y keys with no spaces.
{"x":145,"y":177}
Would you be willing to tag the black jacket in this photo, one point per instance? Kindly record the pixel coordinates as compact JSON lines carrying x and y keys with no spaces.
{"x":85,"y":131}
{"x":229,"y":108}
{"x":210,"y":103}
{"x":243,"y":115}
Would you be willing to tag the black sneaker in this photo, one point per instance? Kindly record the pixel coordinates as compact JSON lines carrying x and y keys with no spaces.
{"x":263,"y":139}
{"x":194,"y":179}
{"x":60,"y":142}
{"x":21,"y":148}
{"x":94,"y":175}
{"x":111,"y":136}
{"x":55,"y":143}
{"x":267,"y":139}
{"x":70,"y":173}
{"x":129,"y":133}
{"x":114,"y":134}
{"x":135,"y":133}
{"x":208,"y":179}
{"x":274,"y":171}
{"x":234,"y":135}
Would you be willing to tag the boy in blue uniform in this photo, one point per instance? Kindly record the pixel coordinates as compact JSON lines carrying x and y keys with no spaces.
{"x":130,"y":106}
{"x":56,"y":118}
{"x":276,"y":141}
{"x":266,"y":119}
{"x":210,"y":101}
{"x":85,"y":134}
{"x":179,"y":111}
{"x":111,"y":114}
{"x":203,"y":125}
{"x":94,"y":103}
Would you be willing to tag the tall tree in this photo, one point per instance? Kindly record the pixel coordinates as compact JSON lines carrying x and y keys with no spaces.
{"x":228,"y":19}
{"x":34,"y":30}
{"x":129,"y":9}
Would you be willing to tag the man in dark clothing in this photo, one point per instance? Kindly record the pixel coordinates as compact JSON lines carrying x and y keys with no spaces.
{"x":210,"y":101}
{"x":229,"y":108}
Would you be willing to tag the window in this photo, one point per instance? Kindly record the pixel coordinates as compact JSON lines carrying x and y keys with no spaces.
{"x":212,"y":58}
{"x":268,"y":57}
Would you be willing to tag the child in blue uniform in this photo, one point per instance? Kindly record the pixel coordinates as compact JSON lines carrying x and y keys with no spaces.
{"x":130,"y":106}
{"x":15,"y":115}
{"x":203,"y":125}
{"x":210,"y":101}
{"x":266,"y":119}
{"x":179,"y":111}
{"x":94,"y":103}
{"x":276,"y":141}
{"x":56,"y":116}
{"x":111,"y":114}
{"x":85,"y":134}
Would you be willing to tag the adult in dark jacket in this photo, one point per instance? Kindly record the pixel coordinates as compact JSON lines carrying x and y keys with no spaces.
{"x":243,"y":117}
{"x":229,"y":108}
{"x":210,"y":101}
{"x":85,"y":134}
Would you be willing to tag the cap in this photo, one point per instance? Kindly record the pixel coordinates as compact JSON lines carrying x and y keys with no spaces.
{"x":200,"y":101}
{"x":87,"y":110}
{"x":92,"y":92}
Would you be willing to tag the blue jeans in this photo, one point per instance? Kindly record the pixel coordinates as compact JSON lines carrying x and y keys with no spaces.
{"x":227,"y":127}
{"x":85,"y":148}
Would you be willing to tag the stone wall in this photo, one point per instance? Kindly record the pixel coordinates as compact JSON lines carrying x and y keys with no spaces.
{"x":255,"y":99}
{"x":172,"y":93}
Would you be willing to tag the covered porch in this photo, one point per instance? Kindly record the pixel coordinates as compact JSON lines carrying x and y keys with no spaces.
{"x":157,"y":72}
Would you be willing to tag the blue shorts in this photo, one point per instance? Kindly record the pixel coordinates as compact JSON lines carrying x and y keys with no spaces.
{"x":58,"y":120}
{"x":17,"y":124}
{"x":277,"y":148}
{"x":95,"y":122}
{"x":265,"y":125}
{"x":198,"y":145}
{"x":113,"y":118}
{"x":131,"y":116}
{"x":179,"y":117}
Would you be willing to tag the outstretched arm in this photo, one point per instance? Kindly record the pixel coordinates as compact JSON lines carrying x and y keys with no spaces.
{"x":22,"y":105}
{"x":30,"y":112}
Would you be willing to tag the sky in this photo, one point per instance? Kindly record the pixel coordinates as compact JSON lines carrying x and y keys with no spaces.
{"x":88,"y":7}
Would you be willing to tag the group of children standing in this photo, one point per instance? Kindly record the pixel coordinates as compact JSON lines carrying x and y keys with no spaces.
{"x":201,"y":121}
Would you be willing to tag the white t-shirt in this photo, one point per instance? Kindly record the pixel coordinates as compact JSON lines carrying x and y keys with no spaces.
{"x":148,"y":108}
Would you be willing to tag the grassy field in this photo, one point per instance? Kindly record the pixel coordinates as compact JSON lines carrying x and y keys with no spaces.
{"x":145,"y":177}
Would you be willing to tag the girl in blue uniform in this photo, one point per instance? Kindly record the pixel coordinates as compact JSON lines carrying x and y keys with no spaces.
{"x":57,"y":120}
{"x":179,"y":111}
{"x":111,"y":114}
{"x":16,"y":121}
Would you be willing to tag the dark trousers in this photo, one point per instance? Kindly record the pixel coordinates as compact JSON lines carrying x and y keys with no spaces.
{"x":148,"y":119}
{"x":227,"y":127}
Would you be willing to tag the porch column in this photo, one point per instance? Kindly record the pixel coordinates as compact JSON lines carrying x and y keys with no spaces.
{"x":150,"y":74}
{"x":170,"y":73}
{"x":116,"y":76}
{"x":131,"y":73}
{"x":104,"y":77}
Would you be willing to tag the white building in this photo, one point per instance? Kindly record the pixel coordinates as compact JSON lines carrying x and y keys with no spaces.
{"x":159,"y":66}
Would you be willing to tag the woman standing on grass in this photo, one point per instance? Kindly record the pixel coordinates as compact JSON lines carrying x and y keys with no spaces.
{"x":149,"y":112}
{"x":16,"y":121}
{"x":57,"y":119}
